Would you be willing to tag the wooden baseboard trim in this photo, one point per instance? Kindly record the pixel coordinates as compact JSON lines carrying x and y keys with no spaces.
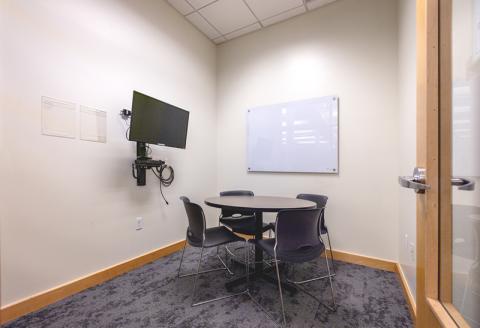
{"x":368,"y":261}
{"x":412,"y":306}
{"x":36,"y":302}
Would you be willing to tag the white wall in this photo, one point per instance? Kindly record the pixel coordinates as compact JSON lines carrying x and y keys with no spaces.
{"x":70,"y":205}
{"x":407,"y":85}
{"x":348,"y":48}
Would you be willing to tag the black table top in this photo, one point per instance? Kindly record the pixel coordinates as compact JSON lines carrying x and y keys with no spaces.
{"x":259,"y":203}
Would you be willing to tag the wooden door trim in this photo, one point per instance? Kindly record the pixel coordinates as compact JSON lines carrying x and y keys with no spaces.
{"x":445,"y":149}
{"x":427,"y":157}
{"x":441,"y":314}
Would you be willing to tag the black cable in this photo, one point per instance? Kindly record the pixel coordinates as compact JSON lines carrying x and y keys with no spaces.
{"x":133,"y":171}
{"x":166,"y":182}
{"x":126,"y":133}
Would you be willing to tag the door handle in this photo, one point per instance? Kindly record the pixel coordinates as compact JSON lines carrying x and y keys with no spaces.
{"x":463,"y":184}
{"x":416,"y":182}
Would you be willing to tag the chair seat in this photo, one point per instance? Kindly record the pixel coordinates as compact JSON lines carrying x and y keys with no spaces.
{"x":304,"y":254}
{"x":244,"y":224}
{"x":215,"y":237}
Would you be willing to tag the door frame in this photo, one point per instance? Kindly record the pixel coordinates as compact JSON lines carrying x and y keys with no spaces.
{"x":434,"y":150}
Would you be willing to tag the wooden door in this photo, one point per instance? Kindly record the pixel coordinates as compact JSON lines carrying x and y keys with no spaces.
{"x":445,"y":69}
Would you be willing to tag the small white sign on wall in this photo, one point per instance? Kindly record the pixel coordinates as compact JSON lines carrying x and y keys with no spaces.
{"x":58,"y":118}
{"x":93,"y":124}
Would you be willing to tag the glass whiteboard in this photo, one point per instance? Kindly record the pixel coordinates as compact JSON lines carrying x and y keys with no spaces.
{"x":299,"y":136}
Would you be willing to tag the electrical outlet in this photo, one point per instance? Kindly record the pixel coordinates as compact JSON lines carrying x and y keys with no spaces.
{"x":139,"y":223}
{"x":411,"y":251}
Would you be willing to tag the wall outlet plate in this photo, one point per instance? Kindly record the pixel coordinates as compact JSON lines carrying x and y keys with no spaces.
{"x":411,"y":251}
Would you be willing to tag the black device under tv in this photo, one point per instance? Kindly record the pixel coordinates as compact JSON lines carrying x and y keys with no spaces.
{"x":158,"y":123}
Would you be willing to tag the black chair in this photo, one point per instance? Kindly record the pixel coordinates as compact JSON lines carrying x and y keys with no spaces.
{"x":201,"y":237}
{"x":238,"y":221}
{"x":321,"y":202}
{"x":296,"y":241}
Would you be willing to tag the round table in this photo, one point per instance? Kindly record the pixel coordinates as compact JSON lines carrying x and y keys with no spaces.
{"x":258,"y":205}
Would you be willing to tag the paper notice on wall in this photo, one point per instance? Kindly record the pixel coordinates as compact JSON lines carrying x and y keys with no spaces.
{"x":93,"y":124}
{"x":58,"y":118}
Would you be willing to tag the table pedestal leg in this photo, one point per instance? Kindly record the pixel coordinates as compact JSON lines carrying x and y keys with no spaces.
{"x":258,"y":250}
{"x":259,"y":272}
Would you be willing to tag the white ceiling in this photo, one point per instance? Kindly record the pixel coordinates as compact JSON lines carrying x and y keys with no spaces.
{"x":223,"y":20}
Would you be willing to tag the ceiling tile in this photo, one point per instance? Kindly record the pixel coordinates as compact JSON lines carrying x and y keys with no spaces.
{"x":182,"y":6}
{"x":268,"y":8}
{"x":284,"y":16}
{"x":228,"y":15}
{"x":314,"y":4}
{"x":197,"y":4}
{"x":197,"y":20}
{"x":223,"y":20}
{"x":242,"y":31}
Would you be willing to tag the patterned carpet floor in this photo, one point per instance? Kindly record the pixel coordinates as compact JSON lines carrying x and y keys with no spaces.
{"x":152,"y":296}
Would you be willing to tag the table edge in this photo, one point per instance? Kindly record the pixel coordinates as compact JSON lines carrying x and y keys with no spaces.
{"x":263,"y":209}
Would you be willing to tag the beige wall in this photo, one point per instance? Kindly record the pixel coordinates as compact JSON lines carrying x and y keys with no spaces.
{"x":407,"y":137}
{"x":348,"y":48}
{"x":69,"y":206}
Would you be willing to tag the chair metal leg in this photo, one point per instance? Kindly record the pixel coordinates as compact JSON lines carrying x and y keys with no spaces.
{"x":196,"y":279}
{"x":310,"y":280}
{"x":331,"y":284}
{"x":181,"y":259}
{"x":298,"y":284}
{"x":331,"y":252}
{"x":280,"y":291}
{"x":299,"y":287}
{"x":224,"y":263}
{"x":329,"y":275}
{"x":246,"y":261}
{"x":224,"y":267}
{"x":196,"y":276}
{"x":247,"y":265}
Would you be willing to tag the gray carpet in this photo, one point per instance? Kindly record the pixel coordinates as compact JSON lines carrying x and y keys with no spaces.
{"x":151,"y":296}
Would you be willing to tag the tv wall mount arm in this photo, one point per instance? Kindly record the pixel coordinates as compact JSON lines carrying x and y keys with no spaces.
{"x":144,"y":162}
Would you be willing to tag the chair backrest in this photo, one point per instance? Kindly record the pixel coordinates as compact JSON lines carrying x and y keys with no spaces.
{"x":196,"y":220}
{"x":297,"y":229}
{"x":321,"y":202}
{"x":226,"y":212}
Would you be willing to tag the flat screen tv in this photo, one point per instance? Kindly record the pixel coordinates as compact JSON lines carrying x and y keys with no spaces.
{"x":156,"y":122}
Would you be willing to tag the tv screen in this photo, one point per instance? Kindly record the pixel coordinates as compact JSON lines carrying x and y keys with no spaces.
{"x":156,"y":122}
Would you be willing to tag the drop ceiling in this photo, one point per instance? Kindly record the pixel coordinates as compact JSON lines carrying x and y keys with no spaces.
{"x":223,"y":20}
